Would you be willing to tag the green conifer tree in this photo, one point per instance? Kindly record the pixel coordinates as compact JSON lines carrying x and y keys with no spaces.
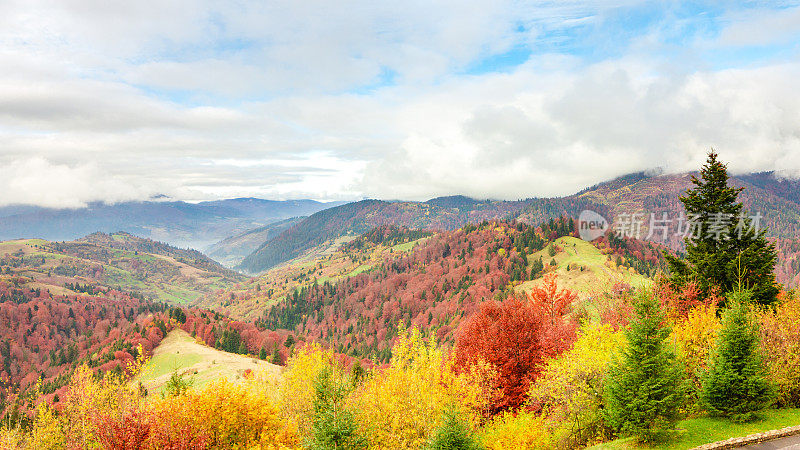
{"x":454,"y":434}
{"x":333,"y":425}
{"x":724,"y":250}
{"x":736,"y":384}
{"x":644,"y":390}
{"x":276,"y":356}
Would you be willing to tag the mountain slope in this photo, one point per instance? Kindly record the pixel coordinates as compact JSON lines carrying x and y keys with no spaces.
{"x":141,"y":266}
{"x":774,"y":198}
{"x":247,"y":300}
{"x":232,"y":250}
{"x":446,"y":213}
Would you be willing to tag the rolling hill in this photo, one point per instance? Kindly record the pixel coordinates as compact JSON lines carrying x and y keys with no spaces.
{"x":180,"y":352}
{"x":120,"y":260}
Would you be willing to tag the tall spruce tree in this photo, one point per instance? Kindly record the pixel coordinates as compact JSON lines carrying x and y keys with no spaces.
{"x":333,"y":425}
{"x":644,"y":390}
{"x":723,"y":250}
{"x":736,"y":384}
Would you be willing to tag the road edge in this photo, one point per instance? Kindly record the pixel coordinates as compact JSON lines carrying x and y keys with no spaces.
{"x":751,"y":439}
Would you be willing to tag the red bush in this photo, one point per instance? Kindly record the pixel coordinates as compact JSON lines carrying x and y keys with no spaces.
{"x":516,"y":335}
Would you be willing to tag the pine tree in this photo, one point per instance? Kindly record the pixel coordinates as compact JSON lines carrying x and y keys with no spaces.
{"x":333,"y":425}
{"x":724,"y":252}
{"x":454,"y":434}
{"x":262,"y":354}
{"x":736,"y":384}
{"x":644,"y":389}
{"x":276,"y":357}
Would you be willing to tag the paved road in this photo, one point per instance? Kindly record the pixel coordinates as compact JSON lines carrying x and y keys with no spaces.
{"x":787,"y":443}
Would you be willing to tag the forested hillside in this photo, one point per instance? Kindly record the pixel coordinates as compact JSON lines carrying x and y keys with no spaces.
{"x":46,"y":335}
{"x":152,"y":269}
{"x":445,"y":213}
{"x":355,"y":296}
{"x":232,"y":250}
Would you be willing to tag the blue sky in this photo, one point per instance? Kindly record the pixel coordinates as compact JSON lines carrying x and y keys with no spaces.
{"x":327,"y":100}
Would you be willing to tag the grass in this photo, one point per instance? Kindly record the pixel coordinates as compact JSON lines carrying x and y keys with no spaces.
{"x":599,"y":274}
{"x":359,"y":269}
{"x":179,"y":352}
{"x":704,"y":430}
{"x":406,"y":246}
{"x":166,"y":363}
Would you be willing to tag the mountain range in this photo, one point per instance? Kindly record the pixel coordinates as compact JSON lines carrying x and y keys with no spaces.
{"x":776,"y":200}
{"x":178,"y":223}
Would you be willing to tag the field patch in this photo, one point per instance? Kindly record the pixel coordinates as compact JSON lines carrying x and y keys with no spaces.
{"x":583,"y":268}
{"x":179,"y":352}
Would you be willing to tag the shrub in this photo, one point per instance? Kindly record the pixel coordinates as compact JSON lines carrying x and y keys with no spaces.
{"x":695,"y":337}
{"x":524,"y":429}
{"x":569,"y":389}
{"x":402,"y":405}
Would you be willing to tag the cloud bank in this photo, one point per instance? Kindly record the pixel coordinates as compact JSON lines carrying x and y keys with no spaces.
{"x":126,"y":100}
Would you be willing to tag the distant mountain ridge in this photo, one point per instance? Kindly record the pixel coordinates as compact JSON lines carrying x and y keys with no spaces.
{"x":443,"y":213}
{"x":178,"y":223}
{"x":778,"y":200}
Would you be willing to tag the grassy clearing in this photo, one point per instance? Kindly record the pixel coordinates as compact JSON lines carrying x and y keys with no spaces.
{"x":407,"y":246}
{"x":704,"y":430}
{"x":599,"y":273}
{"x":180,"y":352}
{"x":359,"y":269}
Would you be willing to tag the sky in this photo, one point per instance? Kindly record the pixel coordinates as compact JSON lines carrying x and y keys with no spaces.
{"x":342,"y":100}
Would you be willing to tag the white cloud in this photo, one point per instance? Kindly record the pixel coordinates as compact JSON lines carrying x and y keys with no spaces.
{"x":39,"y":182}
{"x":286,"y":99}
{"x":536,"y":135}
{"x":762,"y":27}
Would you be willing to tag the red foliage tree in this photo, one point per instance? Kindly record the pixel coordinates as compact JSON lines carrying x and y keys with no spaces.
{"x":515,"y":336}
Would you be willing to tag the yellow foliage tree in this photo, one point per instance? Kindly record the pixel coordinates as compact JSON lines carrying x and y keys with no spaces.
{"x":569,"y":390}
{"x":297,"y":391}
{"x":48,"y":428}
{"x":400,"y":407}
{"x":231,"y":416}
{"x":524,"y":429}
{"x":780,"y":331}
{"x":695,"y":337}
